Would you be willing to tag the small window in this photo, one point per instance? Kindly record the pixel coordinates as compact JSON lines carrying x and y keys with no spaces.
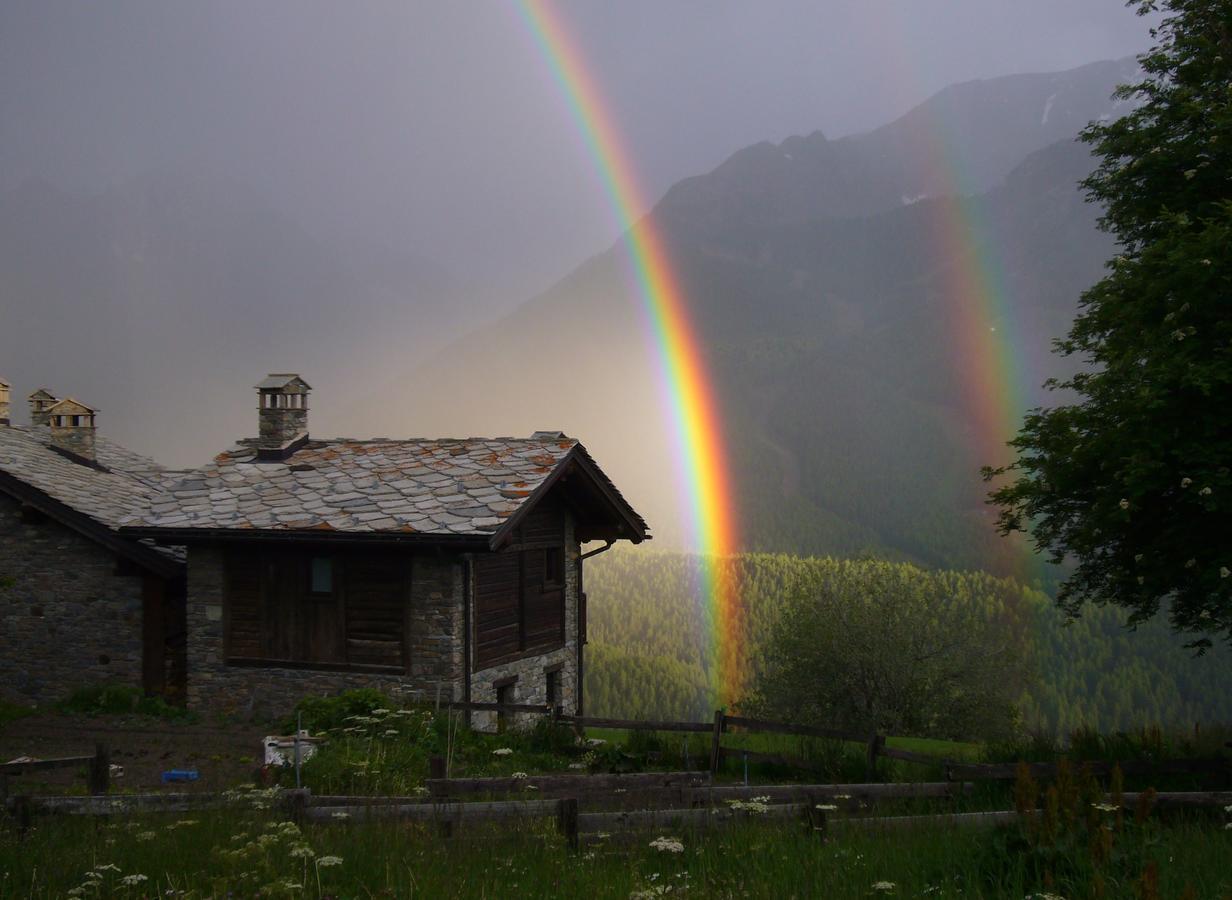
{"x":321,"y":575}
{"x":553,"y":687}
{"x":504,"y":696}
{"x":554,"y":565}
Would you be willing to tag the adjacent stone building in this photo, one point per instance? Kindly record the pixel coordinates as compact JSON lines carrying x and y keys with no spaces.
{"x":426,"y":568}
{"x":79,"y":603}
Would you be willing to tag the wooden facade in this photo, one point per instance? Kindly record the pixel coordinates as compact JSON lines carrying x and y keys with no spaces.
{"x":314,"y":609}
{"x":520,"y":591}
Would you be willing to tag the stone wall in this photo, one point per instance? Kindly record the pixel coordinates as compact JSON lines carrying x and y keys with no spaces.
{"x":435,"y":645}
{"x":531,"y":684}
{"x":66,"y":620}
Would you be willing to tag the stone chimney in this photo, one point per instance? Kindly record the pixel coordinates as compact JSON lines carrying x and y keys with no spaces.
{"x":41,"y":401}
{"x":282,"y":412}
{"x":4,"y":402}
{"x":72,"y":429}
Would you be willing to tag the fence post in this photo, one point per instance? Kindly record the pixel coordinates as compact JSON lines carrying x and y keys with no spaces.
{"x":816,"y":816}
{"x":436,"y":767}
{"x":875,"y":743}
{"x":98,"y":772}
{"x":567,"y":820}
{"x":716,"y":750}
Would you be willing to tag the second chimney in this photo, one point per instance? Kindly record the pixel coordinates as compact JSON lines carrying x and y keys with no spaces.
{"x":72,"y":429}
{"x":282,"y":413}
{"x":41,"y":401}
{"x":4,"y":402}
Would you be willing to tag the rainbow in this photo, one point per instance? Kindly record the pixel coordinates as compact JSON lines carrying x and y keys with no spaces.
{"x":985,"y":335}
{"x":694,"y":411}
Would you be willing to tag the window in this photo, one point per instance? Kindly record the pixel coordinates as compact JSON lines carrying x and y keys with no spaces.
{"x":294,"y":609}
{"x":552,"y":676}
{"x":505,"y":694}
{"x":554,"y":565}
{"x":321,"y":575}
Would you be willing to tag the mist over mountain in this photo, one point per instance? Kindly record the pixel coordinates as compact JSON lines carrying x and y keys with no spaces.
{"x":822,"y":294}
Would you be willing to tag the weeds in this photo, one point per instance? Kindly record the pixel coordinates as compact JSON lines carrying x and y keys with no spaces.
{"x":120,"y":699}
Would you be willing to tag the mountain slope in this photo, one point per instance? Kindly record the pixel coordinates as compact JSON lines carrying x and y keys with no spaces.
{"x":826,"y":312}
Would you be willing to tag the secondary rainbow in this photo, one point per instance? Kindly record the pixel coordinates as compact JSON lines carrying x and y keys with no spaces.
{"x":694,"y":410}
{"x":986,"y":336}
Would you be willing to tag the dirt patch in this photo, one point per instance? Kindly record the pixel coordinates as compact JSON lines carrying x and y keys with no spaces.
{"x":224,"y":755}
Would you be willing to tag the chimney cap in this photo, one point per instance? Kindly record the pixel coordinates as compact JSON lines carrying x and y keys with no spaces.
{"x":70,"y":407}
{"x":42,"y":394}
{"x":548,"y":436}
{"x":3,"y":382}
{"x":282,"y":381}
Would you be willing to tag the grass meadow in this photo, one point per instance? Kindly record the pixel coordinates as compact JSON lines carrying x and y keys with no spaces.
{"x":1068,"y":843}
{"x":254,"y":853}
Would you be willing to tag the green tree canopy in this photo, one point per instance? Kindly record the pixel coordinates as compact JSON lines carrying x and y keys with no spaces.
{"x":874,"y":645}
{"x":1130,"y":482}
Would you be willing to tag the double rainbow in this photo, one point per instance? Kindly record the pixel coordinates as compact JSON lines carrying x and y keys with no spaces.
{"x":694,"y":409}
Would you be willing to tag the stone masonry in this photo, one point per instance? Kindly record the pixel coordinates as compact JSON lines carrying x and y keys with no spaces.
{"x":435,"y":645}
{"x":66,"y":619}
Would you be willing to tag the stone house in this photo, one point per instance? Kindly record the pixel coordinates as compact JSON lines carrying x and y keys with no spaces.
{"x":426,"y":568}
{"x":79,"y":603}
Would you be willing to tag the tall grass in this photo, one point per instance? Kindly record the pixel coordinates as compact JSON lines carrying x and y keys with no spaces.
{"x":250,"y":853}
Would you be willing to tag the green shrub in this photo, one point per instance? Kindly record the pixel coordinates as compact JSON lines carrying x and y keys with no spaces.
{"x":326,"y":713}
{"x":11,"y":712}
{"x":120,"y":699}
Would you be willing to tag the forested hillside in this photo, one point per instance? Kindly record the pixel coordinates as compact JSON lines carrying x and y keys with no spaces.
{"x":650,"y":646}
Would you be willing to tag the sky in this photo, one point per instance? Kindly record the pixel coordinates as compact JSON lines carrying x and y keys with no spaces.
{"x":434,"y":129}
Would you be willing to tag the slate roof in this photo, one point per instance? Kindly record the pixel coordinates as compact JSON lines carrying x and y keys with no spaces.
{"x":107,"y":497}
{"x":460,"y":487}
{"x":129,"y":485}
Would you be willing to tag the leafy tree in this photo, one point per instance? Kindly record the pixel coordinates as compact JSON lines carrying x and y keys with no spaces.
{"x":1129,"y":482}
{"x":889,"y":647}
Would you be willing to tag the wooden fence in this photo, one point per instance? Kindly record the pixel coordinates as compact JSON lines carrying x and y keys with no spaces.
{"x":97,"y":770}
{"x":1219,"y":767}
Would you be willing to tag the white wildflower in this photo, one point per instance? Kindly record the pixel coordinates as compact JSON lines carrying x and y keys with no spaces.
{"x":1137,"y":557}
{"x":1141,"y":579}
{"x":503,"y":751}
{"x":302,"y":851}
{"x":389,"y":732}
{"x":107,"y":867}
{"x":1186,"y":482}
{"x":884,"y":885}
{"x":327,"y":861}
{"x":1106,"y":807}
{"x":342,"y":815}
{"x":595,"y":742}
{"x":1124,"y":503}
{"x":380,"y":712}
{"x":133,"y":880}
{"x":842,"y":796}
{"x":667,"y":844}
{"x":826,"y":807}
{"x":1191,"y":563}
{"x":518,"y":775}
{"x":1205,"y":492}
{"x":1224,"y":572}
{"x":146,"y":836}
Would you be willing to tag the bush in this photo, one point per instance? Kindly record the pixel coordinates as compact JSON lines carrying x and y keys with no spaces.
{"x":1077,"y":843}
{"x":11,"y":712}
{"x":326,"y":713}
{"x":120,"y":699}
